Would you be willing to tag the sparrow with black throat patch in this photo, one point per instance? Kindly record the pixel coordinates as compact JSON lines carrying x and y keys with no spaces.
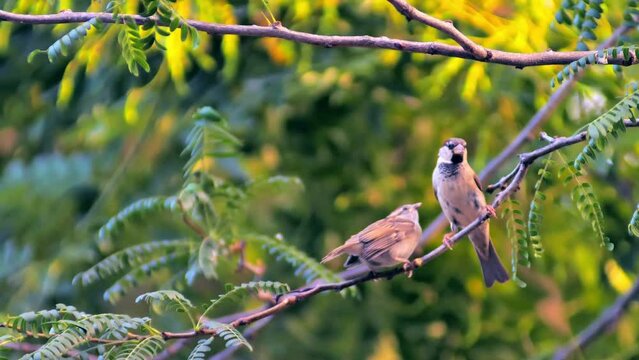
{"x":384,"y":243}
{"x":459,"y":192}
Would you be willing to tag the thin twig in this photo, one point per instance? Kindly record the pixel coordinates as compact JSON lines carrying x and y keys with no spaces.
{"x":447,"y":27}
{"x":276,"y":30}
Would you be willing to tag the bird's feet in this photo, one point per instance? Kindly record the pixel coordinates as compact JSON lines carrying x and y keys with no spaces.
{"x":408,"y":268}
{"x":446,"y":240}
{"x":491,"y":211}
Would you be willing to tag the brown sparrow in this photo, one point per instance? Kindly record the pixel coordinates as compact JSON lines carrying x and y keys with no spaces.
{"x":459,"y":192}
{"x":384,"y":243}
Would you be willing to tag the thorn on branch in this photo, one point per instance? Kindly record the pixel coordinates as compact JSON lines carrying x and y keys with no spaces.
{"x":544,"y":136}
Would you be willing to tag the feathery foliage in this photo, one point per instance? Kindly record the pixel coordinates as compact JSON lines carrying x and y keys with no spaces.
{"x":231,"y":336}
{"x":168,"y":16}
{"x":534,"y":213}
{"x":585,"y":200}
{"x":210,"y":137}
{"x":141,"y":273}
{"x":516,"y":232}
{"x":628,"y":52}
{"x":305,"y":266}
{"x":169,"y":300}
{"x":43,"y":321}
{"x":131,"y":257}
{"x":631,"y":12}
{"x":133,"y":47}
{"x":201,"y":349}
{"x":583,"y":15}
{"x":59,"y":345}
{"x":139,"y":210}
{"x":61,"y":46}
{"x":238,"y":293}
{"x":144,"y":349}
{"x":66,"y":328}
{"x":5,"y":340}
{"x":610,"y":123}
{"x":633,"y":226}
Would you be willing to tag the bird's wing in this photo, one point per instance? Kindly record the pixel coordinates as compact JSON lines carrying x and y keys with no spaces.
{"x":378,"y":237}
{"x":477,"y":182}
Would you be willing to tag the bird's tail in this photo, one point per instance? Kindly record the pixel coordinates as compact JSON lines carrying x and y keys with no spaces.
{"x":335,"y":253}
{"x":491,"y":266}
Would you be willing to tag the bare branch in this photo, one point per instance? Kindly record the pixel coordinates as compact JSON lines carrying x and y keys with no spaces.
{"x":411,"y":13}
{"x":276,"y":30}
{"x":604,"y":323}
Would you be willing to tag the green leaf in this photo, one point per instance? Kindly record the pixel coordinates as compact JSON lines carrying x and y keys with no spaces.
{"x":210,"y":137}
{"x":61,"y":46}
{"x":169,"y":300}
{"x":585,"y":201}
{"x":231,"y":336}
{"x":132,"y":257}
{"x":238,"y":293}
{"x":201,"y":349}
{"x":305,"y":266}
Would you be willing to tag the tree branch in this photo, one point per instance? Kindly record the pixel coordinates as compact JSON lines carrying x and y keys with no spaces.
{"x":276,"y":30}
{"x":285,"y":301}
{"x":605,"y":322}
{"x":447,"y":27}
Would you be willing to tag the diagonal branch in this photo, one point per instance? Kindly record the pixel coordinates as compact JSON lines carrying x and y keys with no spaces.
{"x":447,"y":27}
{"x":287,"y":300}
{"x":605,"y":322}
{"x":277,"y":30}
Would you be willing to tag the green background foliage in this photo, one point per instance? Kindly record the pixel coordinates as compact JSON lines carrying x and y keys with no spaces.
{"x":82,"y":138}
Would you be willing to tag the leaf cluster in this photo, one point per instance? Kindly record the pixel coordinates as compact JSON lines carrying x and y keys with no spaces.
{"x":583,"y":15}
{"x":516,"y":232}
{"x":585,"y":200}
{"x":607,"y":124}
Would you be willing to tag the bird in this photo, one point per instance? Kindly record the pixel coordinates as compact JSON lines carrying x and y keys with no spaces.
{"x":384,"y":243}
{"x":459,"y":193}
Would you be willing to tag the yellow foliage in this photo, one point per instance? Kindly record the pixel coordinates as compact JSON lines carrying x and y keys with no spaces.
{"x":386,"y":348}
{"x":475,"y":287}
{"x":301,"y":10}
{"x":280,"y":51}
{"x":389,"y":57}
{"x":618,"y":278}
{"x":131,"y":104}
{"x":177,"y":61}
{"x":204,"y":165}
{"x":67,"y":84}
{"x":5,"y":32}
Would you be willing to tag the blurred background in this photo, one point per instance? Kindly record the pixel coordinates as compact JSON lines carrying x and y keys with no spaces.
{"x":81,"y":138}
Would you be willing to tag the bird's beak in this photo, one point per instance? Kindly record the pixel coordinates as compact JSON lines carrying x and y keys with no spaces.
{"x":417,"y":205}
{"x":458,"y":150}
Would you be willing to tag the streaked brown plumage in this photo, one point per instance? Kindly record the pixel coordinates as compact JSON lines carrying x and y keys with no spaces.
{"x":458,"y":190}
{"x":384,"y":243}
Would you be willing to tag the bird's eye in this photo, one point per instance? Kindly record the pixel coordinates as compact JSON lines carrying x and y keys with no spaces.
{"x":404,"y":208}
{"x":450,"y":145}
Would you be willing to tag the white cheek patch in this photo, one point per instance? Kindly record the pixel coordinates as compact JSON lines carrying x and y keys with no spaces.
{"x":445,"y":155}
